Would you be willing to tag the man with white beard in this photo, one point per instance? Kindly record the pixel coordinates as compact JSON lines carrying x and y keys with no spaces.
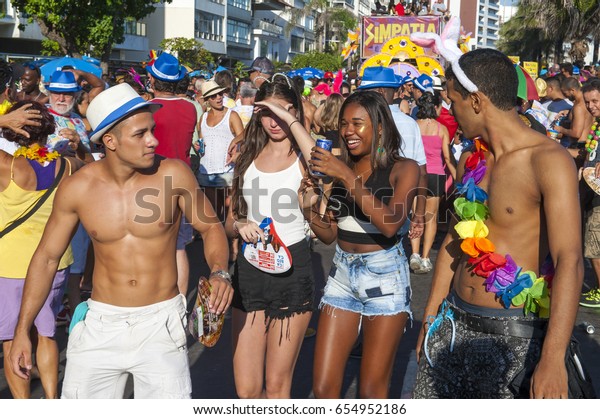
{"x":70,"y":137}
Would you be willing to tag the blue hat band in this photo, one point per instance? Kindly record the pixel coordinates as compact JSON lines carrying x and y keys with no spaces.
{"x":118,"y":113}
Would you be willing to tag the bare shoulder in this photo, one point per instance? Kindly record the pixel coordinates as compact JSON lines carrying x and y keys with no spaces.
{"x":405,"y":167}
{"x":549,"y":157}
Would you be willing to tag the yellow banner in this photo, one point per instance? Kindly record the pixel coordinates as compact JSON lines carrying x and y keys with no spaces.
{"x":532,"y":68}
{"x":515,"y":59}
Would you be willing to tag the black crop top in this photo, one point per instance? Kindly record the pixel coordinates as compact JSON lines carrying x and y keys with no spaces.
{"x":353,"y":225}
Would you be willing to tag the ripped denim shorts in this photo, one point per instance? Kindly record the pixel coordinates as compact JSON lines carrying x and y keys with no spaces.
{"x":372,"y":284}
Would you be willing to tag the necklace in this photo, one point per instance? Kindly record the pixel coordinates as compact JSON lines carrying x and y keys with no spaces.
{"x":591,"y":145}
{"x":503,"y":277}
{"x":37,"y":153}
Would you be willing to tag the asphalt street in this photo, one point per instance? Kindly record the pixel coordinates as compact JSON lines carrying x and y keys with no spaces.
{"x":211,"y":368}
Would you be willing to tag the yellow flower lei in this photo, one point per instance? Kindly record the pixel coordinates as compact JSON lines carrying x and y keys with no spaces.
{"x":37,"y":153}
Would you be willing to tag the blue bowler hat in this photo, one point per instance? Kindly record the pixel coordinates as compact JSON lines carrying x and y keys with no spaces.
{"x":379,"y":77}
{"x":424,"y":83}
{"x":167,"y":68}
{"x":63,"y":82}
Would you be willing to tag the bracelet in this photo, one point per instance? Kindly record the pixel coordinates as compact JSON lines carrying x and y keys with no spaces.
{"x":290,"y":125}
{"x":223,"y":274}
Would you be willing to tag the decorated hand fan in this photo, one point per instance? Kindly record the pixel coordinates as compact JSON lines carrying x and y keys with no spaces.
{"x":272,"y":256}
{"x":589,"y":175}
{"x":203,"y":325}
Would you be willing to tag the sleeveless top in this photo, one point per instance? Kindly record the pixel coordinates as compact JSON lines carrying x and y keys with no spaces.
{"x":433,"y":153}
{"x":18,"y":246}
{"x":275,"y":195}
{"x":353,"y":225}
{"x":216,"y":143}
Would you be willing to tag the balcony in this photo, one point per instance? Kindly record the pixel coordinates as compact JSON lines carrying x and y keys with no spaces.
{"x":209,"y":36}
{"x":493,"y":5}
{"x":270,"y":4}
{"x":267,"y":29}
{"x":346,"y":4}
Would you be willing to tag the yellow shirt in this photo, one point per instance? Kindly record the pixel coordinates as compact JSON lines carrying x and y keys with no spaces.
{"x":18,"y":246}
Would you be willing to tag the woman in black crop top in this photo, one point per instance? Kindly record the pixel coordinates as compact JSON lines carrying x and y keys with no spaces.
{"x":369,"y":281}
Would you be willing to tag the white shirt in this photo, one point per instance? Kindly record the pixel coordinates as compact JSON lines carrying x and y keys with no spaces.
{"x":412,"y":142}
{"x":7,"y":146}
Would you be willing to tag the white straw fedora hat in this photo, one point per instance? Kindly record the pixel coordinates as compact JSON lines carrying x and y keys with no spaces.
{"x":112,"y":105}
{"x":210,"y":88}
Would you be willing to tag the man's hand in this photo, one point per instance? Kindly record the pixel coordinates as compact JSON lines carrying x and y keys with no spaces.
{"x":549,"y":380}
{"x":72,"y":136}
{"x":20,"y":356}
{"x":23,"y":116}
{"x":221,"y":294}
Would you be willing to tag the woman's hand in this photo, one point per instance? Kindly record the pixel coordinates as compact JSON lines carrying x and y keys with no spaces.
{"x":282,"y":113}
{"x":324,"y":162}
{"x":249,"y":231}
{"x":308,"y":194}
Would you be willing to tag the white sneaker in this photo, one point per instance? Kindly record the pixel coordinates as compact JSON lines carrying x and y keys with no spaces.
{"x":426,"y":266}
{"x":415,"y":262}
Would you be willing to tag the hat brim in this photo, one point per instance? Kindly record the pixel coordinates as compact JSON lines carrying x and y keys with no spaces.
{"x":213,"y":92}
{"x":373,"y":85}
{"x":182,"y":73}
{"x":116,"y":116}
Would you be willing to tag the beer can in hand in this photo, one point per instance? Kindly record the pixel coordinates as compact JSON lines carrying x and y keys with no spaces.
{"x":325,"y":144}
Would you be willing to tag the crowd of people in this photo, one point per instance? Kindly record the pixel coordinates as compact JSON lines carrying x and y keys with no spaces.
{"x":105,"y":186}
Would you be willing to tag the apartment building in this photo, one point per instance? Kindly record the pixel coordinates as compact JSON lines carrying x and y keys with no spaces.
{"x":232,"y":30}
{"x":481,"y":18}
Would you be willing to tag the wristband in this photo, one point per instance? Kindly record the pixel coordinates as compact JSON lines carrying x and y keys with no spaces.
{"x":293,"y":122}
{"x":223,"y":274}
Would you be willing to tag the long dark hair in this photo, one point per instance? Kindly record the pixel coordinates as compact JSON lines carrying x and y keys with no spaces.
{"x":255,"y":137}
{"x":385,"y":146}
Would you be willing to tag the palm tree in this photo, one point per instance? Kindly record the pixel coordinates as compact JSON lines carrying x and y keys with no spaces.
{"x":574,"y":21}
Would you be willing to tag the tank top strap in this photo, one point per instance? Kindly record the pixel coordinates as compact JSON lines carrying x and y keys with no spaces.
{"x":12,"y":173}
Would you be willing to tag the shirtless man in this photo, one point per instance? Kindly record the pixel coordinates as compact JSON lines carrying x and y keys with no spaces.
{"x":136,"y":318}
{"x":580,"y":118}
{"x":477,"y":346}
{"x":30,"y":85}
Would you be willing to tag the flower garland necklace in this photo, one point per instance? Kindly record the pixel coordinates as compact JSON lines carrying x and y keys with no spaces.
{"x":37,"y":153}
{"x":503,"y":277}
{"x":591,"y":145}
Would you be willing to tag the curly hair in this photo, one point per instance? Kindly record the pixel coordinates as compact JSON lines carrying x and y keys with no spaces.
{"x":428,"y":104}
{"x":36,"y":134}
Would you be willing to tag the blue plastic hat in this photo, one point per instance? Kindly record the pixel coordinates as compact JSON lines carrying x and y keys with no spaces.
{"x":63,"y":82}
{"x":379,"y":77}
{"x":167,"y":68}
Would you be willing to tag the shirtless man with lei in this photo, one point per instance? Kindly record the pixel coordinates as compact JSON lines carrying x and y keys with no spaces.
{"x":497,"y":324}
{"x":131,"y":203}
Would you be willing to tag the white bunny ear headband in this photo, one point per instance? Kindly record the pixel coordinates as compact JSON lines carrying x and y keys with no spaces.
{"x":447,"y":47}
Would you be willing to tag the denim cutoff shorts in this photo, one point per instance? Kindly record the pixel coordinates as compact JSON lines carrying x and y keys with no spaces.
{"x":372,"y":284}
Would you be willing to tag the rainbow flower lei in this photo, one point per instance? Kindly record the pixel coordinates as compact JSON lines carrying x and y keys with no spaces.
{"x":37,"y":153}
{"x":511,"y":284}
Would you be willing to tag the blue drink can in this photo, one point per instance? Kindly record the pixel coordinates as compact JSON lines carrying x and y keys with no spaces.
{"x":325,"y":144}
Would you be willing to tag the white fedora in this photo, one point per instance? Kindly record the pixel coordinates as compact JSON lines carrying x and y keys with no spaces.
{"x":111,"y":106}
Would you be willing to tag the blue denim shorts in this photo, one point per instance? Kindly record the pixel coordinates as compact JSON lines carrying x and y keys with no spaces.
{"x":215,"y":180}
{"x":372,"y":284}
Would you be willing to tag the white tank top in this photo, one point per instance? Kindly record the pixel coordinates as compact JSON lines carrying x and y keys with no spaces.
{"x":216,"y":143}
{"x":275,"y":195}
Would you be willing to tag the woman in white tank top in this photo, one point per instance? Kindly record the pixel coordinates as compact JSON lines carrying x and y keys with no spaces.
{"x":217,"y":129}
{"x":271,"y":308}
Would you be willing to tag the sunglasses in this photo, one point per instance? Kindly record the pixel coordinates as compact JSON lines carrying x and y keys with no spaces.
{"x":214,"y":96}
